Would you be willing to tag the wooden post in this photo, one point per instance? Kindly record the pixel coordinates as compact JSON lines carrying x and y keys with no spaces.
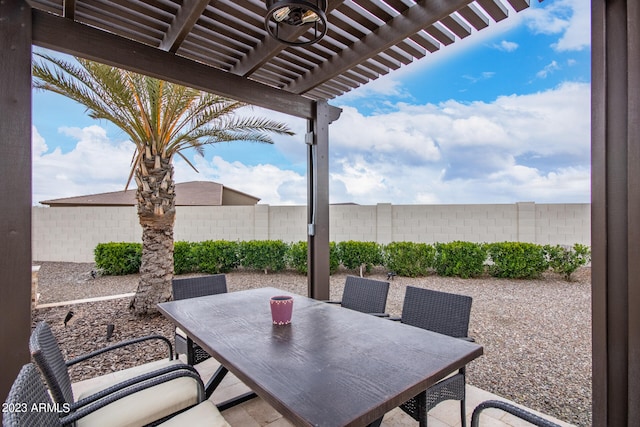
{"x":15,"y":189}
{"x":318,"y":202}
{"x":615,"y":211}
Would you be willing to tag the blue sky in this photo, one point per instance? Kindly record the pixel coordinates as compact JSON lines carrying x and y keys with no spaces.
{"x":500,"y":117}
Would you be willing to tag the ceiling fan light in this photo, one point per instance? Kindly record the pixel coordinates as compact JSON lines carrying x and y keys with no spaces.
{"x":281,"y":14}
{"x":310,"y":16}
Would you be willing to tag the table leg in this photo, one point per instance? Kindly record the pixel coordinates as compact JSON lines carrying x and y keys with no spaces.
{"x":376,"y":423}
{"x":215,"y":380}
{"x":213,"y":384}
{"x":190,"y":355}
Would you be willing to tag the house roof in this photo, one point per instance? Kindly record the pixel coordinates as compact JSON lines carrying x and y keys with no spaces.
{"x":219,"y":45}
{"x":194,"y":193}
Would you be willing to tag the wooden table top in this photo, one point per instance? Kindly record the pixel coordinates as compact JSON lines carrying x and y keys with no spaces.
{"x":331,"y":366}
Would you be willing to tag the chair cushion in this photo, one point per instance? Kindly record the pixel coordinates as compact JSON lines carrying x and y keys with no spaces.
{"x":145,"y":406}
{"x":204,"y":415}
{"x":181,"y":333}
{"x":84,"y":388}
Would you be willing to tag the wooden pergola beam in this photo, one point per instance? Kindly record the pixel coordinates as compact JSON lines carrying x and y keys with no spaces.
{"x":15,"y":191}
{"x":423,"y":14}
{"x":185,"y":19}
{"x":64,"y":35}
{"x":270,"y":47}
{"x":615,"y":211}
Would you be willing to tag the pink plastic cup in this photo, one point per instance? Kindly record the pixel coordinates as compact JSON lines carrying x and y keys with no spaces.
{"x":281,"y":309}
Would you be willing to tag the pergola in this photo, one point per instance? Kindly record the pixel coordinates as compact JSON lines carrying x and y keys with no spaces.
{"x":221,"y":46}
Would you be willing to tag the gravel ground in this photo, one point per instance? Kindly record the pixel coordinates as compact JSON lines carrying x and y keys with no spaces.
{"x":536,"y":333}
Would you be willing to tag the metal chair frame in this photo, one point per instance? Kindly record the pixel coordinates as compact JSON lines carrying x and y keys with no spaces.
{"x":513,"y":410}
{"x":444,"y":313}
{"x":364,"y":295}
{"x":28,"y":390}
{"x":193,"y":287}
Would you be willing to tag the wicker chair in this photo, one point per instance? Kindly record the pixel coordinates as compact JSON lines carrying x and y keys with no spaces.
{"x":29,"y":404}
{"x":447,"y":314}
{"x":192,"y":287}
{"x":152,"y":403}
{"x":364,"y":295}
{"x":513,"y":410}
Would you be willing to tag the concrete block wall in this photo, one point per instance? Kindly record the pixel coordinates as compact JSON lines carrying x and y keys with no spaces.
{"x":287,"y":223}
{"x":200,"y":223}
{"x":563,"y":224}
{"x":71,"y":234}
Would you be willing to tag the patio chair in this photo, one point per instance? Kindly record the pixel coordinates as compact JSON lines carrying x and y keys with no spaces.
{"x":513,"y":410}
{"x":192,"y":287}
{"x":443,"y":313}
{"x":29,"y":404}
{"x":364,"y":295}
{"x":151,"y":403}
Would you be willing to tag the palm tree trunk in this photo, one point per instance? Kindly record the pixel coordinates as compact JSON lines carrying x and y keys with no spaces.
{"x":156,"y":212}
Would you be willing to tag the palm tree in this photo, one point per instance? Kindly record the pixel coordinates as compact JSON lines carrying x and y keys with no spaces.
{"x":161,"y":119}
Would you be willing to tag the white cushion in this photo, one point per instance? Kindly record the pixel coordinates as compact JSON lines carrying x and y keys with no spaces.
{"x":145,"y":406}
{"x":90,"y":386}
{"x":204,"y":415}
{"x":181,"y":333}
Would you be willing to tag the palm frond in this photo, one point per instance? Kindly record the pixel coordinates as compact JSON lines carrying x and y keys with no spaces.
{"x":159,"y":117}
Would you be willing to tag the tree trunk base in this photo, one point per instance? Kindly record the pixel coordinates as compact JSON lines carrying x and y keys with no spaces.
{"x":156,"y":271}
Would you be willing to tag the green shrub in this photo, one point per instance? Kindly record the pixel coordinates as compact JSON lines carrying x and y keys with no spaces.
{"x":263,"y":255}
{"x":184,"y":260}
{"x":334,"y":257}
{"x":216,"y":256}
{"x":565,"y":260}
{"x":297,"y":257}
{"x":360,"y":255}
{"x":463,"y":259}
{"x":117,"y":259}
{"x":408,"y":258}
{"x":517,"y":260}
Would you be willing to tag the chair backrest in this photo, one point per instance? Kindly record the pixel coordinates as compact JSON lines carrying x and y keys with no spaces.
{"x":28,"y":390}
{"x":437,"y":311}
{"x":192,"y":287}
{"x":365,"y":295}
{"x":46,"y":353}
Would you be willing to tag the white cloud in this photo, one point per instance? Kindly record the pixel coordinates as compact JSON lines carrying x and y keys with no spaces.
{"x":571,"y":19}
{"x":271,"y":184}
{"x":548,"y":69}
{"x":506,"y":46}
{"x":516,"y":148}
{"x":95,"y":165}
{"x":486,"y":75}
{"x":519,"y":147}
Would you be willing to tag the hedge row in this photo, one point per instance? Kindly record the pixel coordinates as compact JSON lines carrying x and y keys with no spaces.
{"x":514,"y":260}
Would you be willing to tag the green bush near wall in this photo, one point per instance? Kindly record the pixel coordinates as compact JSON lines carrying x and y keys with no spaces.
{"x":517,"y":260}
{"x":297,"y":257}
{"x":184,"y":260}
{"x":266,"y":255}
{"x":409,"y":259}
{"x":216,"y":256}
{"x":566,"y":261}
{"x":360,"y":255}
{"x":462,"y":259}
{"x":117,"y":259}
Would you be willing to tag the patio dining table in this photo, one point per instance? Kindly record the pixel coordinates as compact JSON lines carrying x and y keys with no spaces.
{"x":330,"y":367}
